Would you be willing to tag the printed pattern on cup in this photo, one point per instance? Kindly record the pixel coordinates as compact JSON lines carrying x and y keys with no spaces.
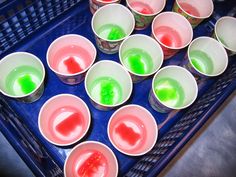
{"x":141,"y":21}
{"x":72,"y":80}
{"x":108,"y":47}
{"x":157,"y":105}
{"x":95,"y":5}
{"x":193,"y":21}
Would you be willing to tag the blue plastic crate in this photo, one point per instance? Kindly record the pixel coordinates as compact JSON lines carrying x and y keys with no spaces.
{"x":31,"y":26}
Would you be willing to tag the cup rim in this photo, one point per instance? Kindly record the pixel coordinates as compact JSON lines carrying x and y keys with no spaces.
{"x":195,"y":85}
{"x":108,"y":2}
{"x":147,"y":15}
{"x":128,"y":75}
{"x":151,"y":116}
{"x":149,"y":38}
{"x":215,"y":29}
{"x":56,"y":97}
{"x":107,"y":6}
{"x":39,"y":85}
{"x":187,"y":23}
{"x":65,"y":36}
{"x":222,"y":47}
{"x":193,"y":16}
{"x":95,"y":143}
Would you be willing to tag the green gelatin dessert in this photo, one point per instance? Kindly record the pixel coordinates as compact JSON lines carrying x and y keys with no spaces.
{"x":23,"y":80}
{"x":111,"y":32}
{"x":106,"y":90}
{"x":138,"y":61}
{"x":169,"y":92}
{"x":201,"y":61}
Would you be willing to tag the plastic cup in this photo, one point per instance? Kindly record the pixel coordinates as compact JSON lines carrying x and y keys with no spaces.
{"x":194,"y":10}
{"x":132,"y":130}
{"x":172,"y":31}
{"x":64,"y":119}
{"x":96,"y":4}
{"x":91,"y":158}
{"x":108,"y":85}
{"x":173,"y":88}
{"x":225,"y":29}
{"x":111,"y":24}
{"x":70,"y":56}
{"x":141,"y":55}
{"x":22,"y":77}
{"x":144,"y":11}
{"x":206,"y":58}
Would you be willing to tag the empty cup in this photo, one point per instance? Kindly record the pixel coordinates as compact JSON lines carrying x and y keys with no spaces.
{"x":96,"y":4}
{"x":132,"y":130}
{"x":194,"y":10}
{"x":64,"y":119}
{"x":22,"y":76}
{"x":206,"y":58}
{"x":91,"y":158}
{"x":111,"y":24}
{"x":172,"y":31}
{"x":108,"y":85}
{"x":144,"y":11}
{"x":173,"y":88}
{"x":225,"y":29}
{"x":70,"y":56}
{"x":141,"y":55}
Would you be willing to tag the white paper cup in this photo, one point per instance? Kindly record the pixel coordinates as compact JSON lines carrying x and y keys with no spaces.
{"x":225,"y":29}
{"x":114,"y":78}
{"x":112,"y":14}
{"x":146,"y":45}
{"x":194,"y":10}
{"x":64,"y":119}
{"x":185,"y":81}
{"x":75,"y":49}
{"x":96,"y":4}
{"x":144,"y":17}
{"x":10,"y":86}
{"x":132,"y":130}
{"x":91,"y":158}
{"x":214,"y":59}
{"x":178,"y":25}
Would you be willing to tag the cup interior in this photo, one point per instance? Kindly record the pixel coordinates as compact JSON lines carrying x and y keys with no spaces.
{"x":178,"y":26}
{"x":185,"y":81}
{"x":143,"y":44}
{"x":213,"y":50}
{"x":197,"y":8}
{"x":225,"y":30}
{"x":19,"y":72}
{"x":95,"y":157}
{"x":155,"y":6}
{"x":113,"y":14}
{"x":132,"y":130}
{"x":64,"y":119}
{"x":108,"y":70}
{"x":71,"y":54}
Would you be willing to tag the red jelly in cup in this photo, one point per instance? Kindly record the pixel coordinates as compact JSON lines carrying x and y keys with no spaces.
{"x":64,"y":119}
{"x":132,"y":130}
{"x":91,"y":159}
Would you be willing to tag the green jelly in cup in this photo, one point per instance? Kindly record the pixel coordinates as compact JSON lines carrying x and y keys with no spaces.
{"x":201,"y":61}
{"x":169,"y":92}
{"x":138,"y":61}
{"x":106,"y":90}
{"x":23,"y":80}
{"x":111,"y":32}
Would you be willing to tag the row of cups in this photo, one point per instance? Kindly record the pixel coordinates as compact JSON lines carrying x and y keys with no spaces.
{"x":120,"y":76}
{"x":178,"y":26}
{"x":65,"y":119}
